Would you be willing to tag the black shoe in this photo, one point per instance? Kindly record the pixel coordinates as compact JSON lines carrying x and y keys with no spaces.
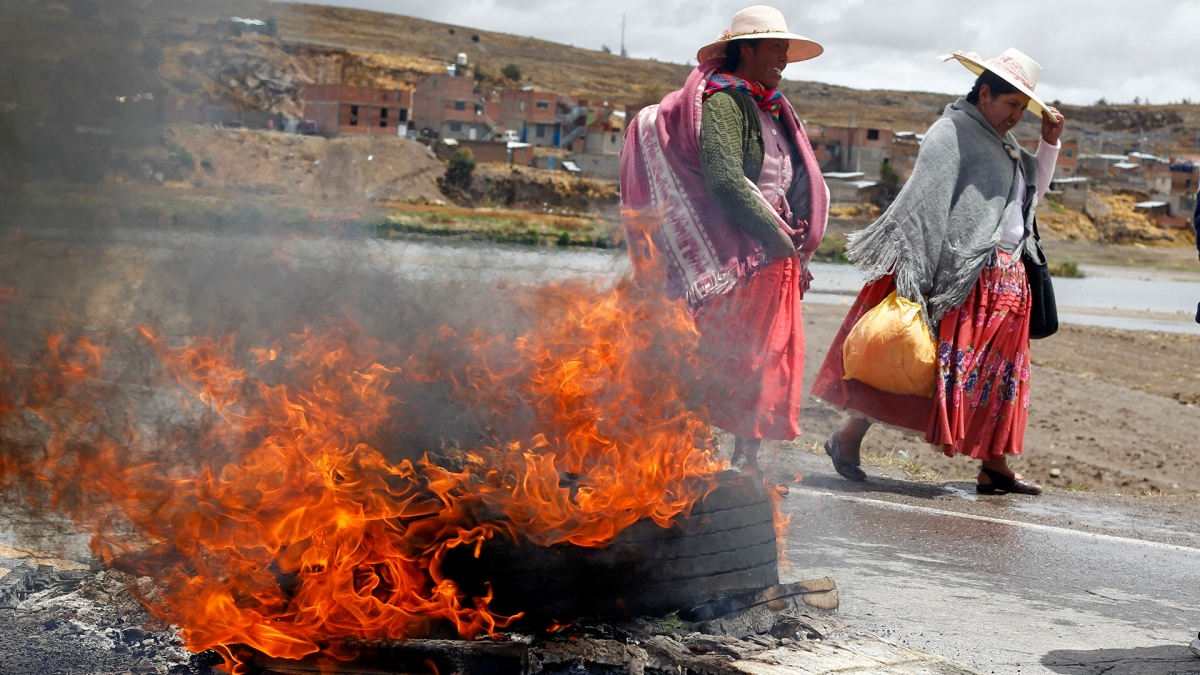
{"x":1002,"y":484}
{"x":845,"y":469}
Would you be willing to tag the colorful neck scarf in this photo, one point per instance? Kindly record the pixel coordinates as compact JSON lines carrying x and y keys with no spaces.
{"x":770,"y":100}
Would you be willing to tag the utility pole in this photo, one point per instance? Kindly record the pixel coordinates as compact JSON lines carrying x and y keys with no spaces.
{"x":851,"y":145}
{"x":624,"y":54}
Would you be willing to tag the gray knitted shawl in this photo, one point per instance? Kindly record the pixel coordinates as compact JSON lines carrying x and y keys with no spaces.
{"x":939,"y":233}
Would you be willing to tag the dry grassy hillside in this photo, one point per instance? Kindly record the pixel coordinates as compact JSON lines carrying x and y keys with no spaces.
{"x":584,"y":73}
{"x":395,"y":50}
{"x":66,"y":63}
{"x":598,"y":76}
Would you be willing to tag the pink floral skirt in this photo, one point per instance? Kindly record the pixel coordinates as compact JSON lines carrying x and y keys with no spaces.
{"x":982,"y":400}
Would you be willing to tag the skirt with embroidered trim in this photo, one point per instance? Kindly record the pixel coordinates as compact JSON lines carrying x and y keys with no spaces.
{"x":752,"y":348}
{"x":982,"y":399}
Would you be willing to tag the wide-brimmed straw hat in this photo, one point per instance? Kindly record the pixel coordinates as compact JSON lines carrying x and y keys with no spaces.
{"x":1013,"y":66}
{"x":761,"y":22}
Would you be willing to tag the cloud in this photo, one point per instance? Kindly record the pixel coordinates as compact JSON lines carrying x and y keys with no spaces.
{"x":1089,"y":49}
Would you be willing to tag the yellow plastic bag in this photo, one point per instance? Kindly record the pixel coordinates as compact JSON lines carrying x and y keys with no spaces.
{"x":890,"y":348}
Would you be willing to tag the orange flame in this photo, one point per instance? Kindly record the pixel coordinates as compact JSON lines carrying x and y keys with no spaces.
{"x":275,"y":514}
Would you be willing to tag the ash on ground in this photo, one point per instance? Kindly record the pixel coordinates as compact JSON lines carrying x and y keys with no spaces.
{"x":65,"y":622}
{"x":79,"y":622}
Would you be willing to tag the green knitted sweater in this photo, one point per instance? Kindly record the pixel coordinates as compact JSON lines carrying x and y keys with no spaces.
{"x":731,"y":147}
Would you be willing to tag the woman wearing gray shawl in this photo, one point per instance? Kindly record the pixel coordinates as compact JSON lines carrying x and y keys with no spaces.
{"x":952,"y":242}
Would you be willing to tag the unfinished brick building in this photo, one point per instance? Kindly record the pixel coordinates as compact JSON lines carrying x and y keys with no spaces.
{"x":346,"y":109}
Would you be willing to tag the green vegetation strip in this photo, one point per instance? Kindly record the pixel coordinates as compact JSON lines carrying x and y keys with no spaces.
{"x":496,"y":229}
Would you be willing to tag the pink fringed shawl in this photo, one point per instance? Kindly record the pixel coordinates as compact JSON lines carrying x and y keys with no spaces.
{"x":663,"y":194}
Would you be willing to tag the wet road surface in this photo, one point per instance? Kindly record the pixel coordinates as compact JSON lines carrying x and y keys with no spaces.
{"x":978,"y":580}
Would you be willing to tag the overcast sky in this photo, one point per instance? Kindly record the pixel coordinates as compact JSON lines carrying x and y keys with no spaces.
{"x":1089,"y":49}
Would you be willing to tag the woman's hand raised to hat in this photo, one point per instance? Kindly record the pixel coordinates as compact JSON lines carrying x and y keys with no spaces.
{"x":1052,"y":125}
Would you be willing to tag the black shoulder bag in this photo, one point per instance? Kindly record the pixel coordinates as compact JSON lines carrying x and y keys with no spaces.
{"x":1043,"y":313}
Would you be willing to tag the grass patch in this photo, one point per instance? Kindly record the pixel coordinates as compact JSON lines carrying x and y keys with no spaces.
{"x":515,"y":227}
{"x":1054,"y":204}
{"x":898,"y":460}
{"x":181,"y":154}
{"x":902,"y":461}
{"x":1068,"y":269}
{"x":832,"y":249}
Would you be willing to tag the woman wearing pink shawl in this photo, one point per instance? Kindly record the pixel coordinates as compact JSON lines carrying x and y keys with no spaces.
{"x":721,"y":177}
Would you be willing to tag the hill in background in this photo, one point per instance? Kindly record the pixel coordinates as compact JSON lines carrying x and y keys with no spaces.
{"x":596,"y":75}
{"x":390,"y":50}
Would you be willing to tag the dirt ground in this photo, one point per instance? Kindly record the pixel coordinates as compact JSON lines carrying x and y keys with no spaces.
{"x":1113,"y":410}
{"x":350,"y":168}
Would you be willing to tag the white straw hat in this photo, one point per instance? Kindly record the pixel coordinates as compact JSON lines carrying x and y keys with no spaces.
{"x":761,"y":22}
{"x":1013,"y":66}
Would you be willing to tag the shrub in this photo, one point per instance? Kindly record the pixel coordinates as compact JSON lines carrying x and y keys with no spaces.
{"x":459,"y":169}
{"x":1067,"y":269}
{"x":512,"y":72}
{"x":181,"y":155}
{"x":482,"y":75}
{"x":889,"y":185}
{"x":832,"y":249}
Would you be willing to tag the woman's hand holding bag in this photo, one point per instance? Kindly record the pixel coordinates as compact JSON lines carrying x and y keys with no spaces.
{"x":891,"y":349}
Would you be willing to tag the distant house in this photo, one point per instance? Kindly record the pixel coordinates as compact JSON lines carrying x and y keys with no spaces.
{"x":1068,"y":159}
{"x":544,"y":118}
{"x":1071,"y":191}
{"x":1183,"y":177}
{"x":850,"y":187}
{"x":600,"y":157}
{"x":239,"y":25}
{"x":905,"y":147}
{"x":488,"y":151}
{"x":345,"y":109}
{"x":1184,"y":183}
{"x":450,"y":106}
{"x":1068,"y":156}
{"x":1099,"y":165}
{"x":605,"y":129}
{"x":851,"y":149}
{"x":1158,"y":177}
{"x":1153,"y":208}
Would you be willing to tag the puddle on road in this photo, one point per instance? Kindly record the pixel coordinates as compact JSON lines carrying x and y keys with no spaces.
{"x":1116,"y":521}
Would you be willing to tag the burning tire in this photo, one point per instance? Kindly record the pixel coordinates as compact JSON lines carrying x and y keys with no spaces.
{"x":725,"y":546}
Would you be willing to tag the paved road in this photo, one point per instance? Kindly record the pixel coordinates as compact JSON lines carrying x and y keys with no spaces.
{"x":978,"y":581}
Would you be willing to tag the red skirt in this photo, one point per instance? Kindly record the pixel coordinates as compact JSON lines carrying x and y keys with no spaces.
{"x":752,"y":346}
{"x":982,"y":399}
